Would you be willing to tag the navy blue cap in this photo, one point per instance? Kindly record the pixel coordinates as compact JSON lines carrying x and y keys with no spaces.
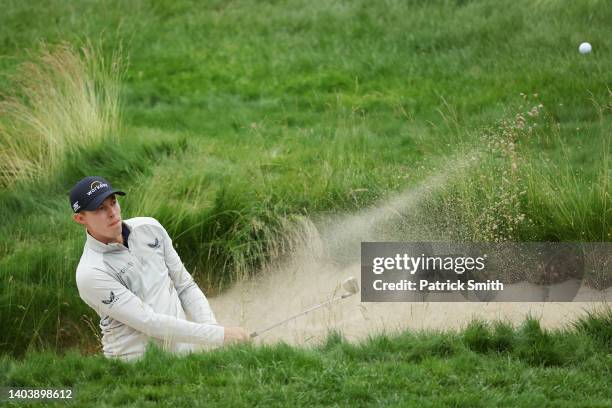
{"x":90,"y":192}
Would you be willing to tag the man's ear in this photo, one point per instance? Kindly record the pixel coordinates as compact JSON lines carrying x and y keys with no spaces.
{"x":78,"y":217}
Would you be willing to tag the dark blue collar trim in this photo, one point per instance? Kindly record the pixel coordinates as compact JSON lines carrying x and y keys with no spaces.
{"x":125,"y":232}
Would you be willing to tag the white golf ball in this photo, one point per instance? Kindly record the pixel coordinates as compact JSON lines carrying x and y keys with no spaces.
{"x":585,"y":48}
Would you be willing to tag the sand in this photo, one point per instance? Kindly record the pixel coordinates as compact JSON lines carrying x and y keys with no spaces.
{"x":280,"y":293}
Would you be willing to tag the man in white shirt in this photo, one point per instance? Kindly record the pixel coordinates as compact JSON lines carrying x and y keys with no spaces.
{"x":133,"y":278}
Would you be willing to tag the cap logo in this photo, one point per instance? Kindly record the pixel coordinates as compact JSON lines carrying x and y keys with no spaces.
{"x":95,"y":186}
{"x":76,"y":206}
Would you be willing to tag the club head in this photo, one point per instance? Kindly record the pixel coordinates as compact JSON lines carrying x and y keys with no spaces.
{"x":351,"y":286}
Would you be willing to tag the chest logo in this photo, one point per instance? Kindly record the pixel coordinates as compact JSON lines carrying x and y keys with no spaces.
{"x":126,"y":267}
{"x":155,"y":244}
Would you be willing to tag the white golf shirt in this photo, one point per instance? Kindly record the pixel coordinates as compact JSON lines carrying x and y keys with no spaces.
{"x":143,"y":293}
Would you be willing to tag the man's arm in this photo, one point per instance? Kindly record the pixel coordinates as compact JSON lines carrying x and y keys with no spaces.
{"x":109,"y":297}
{"x":192,"y":298}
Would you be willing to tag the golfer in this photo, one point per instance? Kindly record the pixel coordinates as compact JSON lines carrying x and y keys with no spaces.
{"x":133,"y":278}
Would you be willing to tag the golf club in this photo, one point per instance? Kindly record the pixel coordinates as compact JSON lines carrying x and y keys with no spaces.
{"x":350,"y":285}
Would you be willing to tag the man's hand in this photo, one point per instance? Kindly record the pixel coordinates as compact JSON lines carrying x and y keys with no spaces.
{"x":235,"y":335}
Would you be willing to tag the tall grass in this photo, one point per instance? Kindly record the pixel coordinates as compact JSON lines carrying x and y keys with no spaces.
{"x":63,"y":101}
{"x":228,"y":220}
{"x":530,"y":184}
{"x":559,"y":196}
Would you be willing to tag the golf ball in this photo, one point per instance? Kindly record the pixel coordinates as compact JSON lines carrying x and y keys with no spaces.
{"x":585,"y":48}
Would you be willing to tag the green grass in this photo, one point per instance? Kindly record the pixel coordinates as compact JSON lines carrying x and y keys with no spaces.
{"x":63,"y":101}
{"x":526,"y":185}
{"x":240,"y":120}
{"x":486,"y":364}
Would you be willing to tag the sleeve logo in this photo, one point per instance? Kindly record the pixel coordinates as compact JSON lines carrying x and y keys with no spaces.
{"x":155,"y":244}
{"x":111,"y":300}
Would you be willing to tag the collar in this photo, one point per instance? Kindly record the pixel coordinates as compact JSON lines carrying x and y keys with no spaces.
{"x":125,"y":233}
{"x":101,"y":247}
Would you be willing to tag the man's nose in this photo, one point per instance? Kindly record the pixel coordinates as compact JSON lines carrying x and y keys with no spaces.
{"x":113,"y":212}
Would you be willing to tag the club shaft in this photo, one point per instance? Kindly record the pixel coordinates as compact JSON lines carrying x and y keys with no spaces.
{"x":258,"y":332}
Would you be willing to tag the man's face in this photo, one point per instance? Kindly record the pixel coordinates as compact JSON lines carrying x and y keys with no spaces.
{"x":104,"y":223}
